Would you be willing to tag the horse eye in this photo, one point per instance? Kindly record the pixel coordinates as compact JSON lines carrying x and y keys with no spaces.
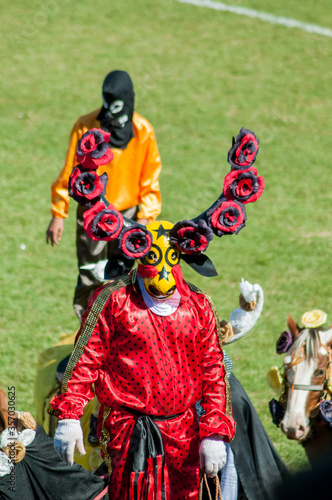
{"x":319,"y":373}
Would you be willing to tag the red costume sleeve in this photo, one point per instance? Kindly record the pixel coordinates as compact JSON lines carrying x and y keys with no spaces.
{"x":216,"y":397}
{"x":77,"y":392}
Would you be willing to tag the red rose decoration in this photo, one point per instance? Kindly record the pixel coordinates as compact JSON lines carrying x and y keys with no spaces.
{"x":191,"y":238}
{"x":244,"y":150}
{"x":103,"y":223}
{"x":92,"y":149}
{"x":135,"y":241}
{"x":243,"y":185}
{"x":86,"y":187}
{"x":226,"y":217}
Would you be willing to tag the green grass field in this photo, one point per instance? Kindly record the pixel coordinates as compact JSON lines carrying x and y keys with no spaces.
{"x":199,"y":76}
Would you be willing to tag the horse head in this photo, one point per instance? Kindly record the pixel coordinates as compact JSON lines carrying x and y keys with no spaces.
{"x":306,"y":366}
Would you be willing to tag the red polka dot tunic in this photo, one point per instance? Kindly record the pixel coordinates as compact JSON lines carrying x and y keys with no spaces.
{"x":157,"y":365}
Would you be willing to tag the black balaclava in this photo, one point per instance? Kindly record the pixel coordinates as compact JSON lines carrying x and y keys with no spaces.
{"x":116,"y":115}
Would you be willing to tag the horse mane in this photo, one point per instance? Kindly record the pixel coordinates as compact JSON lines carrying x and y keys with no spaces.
{"x":310,"y":337}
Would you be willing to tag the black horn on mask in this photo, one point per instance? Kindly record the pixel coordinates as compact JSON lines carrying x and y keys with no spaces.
{"x":227,"y":215}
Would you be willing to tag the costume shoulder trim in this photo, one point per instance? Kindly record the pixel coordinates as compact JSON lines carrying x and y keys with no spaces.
{"x":220,"y":332}
{"x":90,"y":323}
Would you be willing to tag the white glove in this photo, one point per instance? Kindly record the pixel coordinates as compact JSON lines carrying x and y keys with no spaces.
{"x":69,"y":434}
{"x":213,"y":456}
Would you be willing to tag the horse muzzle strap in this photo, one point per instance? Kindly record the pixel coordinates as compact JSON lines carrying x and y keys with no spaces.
{"x":304,"y":387}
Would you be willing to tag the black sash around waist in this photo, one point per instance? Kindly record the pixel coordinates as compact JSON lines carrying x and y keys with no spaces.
{"x":146,"y":444}
{"x":146,"y":440}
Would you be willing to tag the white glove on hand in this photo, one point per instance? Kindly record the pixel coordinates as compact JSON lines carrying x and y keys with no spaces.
{"x":69,"y":434}
{"x":213,"y":456}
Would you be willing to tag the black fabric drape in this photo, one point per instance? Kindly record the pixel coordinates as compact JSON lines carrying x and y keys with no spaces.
{"x":147,"y":456}
{"x":257,"y":462}
{"x":43,"y":475}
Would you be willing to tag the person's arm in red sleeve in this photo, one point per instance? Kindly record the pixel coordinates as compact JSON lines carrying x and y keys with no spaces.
{"x":150,"y":198}
{"x":217,"y":419}
{"x":78,"y":391}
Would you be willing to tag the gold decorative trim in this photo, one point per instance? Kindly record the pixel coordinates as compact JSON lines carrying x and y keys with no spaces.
{"x":228,"y":397}
{"x":194,"y":288}
{"x":27,"y":420}
{"x":227,"y":330}
{"x":105,"y":438}
{"x":15,"y":451}
{"x":89,"y":326}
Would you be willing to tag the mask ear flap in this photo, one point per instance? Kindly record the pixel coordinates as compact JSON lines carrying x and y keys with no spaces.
{"x":201,"y":264}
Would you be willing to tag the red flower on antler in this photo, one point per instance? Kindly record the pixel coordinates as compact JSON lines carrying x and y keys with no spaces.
{"x":135,"y":241}
{"x":243,"y":185}
{"x":103,"y":223}
{"x":226,"y":217}
{"x":86,"y":187}
{"x":190,"y":237}
{"x":93,"y":150}
{"x":244,"y":150}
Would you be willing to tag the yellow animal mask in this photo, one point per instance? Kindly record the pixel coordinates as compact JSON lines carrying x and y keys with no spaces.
{"x":159,"y":280}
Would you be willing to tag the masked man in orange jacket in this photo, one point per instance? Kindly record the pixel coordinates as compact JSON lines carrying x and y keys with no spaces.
{"x":133,"y":173}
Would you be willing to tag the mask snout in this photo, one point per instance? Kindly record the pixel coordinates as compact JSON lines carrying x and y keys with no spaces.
{"x":158,"y":294}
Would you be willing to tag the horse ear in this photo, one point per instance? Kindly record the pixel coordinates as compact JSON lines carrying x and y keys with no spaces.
{"x":293,"y":328}
{"x":327,"y":336}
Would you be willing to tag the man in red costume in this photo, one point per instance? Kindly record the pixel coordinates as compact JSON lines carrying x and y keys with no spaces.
{"x":152,"y":352}
{"x":151,"y":343}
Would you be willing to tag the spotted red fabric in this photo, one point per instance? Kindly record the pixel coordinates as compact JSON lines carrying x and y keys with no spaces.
{"x":154,"y":365}
{"x":181,"y":444}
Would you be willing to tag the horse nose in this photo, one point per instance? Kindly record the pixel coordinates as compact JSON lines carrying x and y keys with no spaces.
{"x":289,"y":431}
{"x":297,"y":431}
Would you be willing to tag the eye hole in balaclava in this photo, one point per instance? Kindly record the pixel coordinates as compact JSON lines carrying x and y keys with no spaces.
{"x":116,"y":115}
{"x":114,"y":112}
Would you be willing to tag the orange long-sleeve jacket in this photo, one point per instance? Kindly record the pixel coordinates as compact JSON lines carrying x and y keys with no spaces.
{"x":133,"y":174}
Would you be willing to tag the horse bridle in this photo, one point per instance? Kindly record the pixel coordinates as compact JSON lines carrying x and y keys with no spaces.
{"x":299,"y":356}
{"x":325,"y":389}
